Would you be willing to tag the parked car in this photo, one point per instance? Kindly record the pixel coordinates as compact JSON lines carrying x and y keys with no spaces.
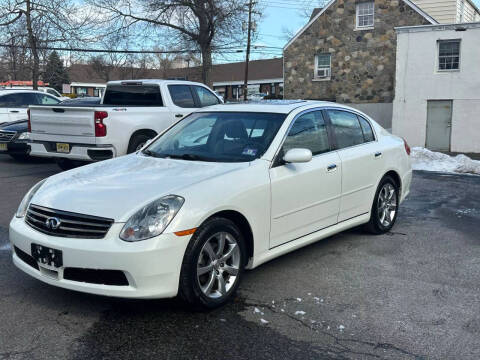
{"x":81,"y":101}
{"x":225,"y":189}
{"x":14,"y":139}
{"x":130,"y":113}
{"x":14,"y":104}
{"x":43,"y":89}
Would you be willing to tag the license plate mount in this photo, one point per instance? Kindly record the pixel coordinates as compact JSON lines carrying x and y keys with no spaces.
{"x":63,"y":148}
{"x":47,"y":256}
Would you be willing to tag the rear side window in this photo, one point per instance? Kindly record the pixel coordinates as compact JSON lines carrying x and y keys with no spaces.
{"x":346,"y":128}
{"x":133,"y":95}
{"x":205,"y":96}
{"x":367,"y":130}
{"x":308,"y":132}
{"x":182,"y":95}
{"x":53,"y":92}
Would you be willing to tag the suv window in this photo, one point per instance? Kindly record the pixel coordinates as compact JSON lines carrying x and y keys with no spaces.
{"x":133,"y":95}
{"x":308,"y":132}
{"x":18,"y":100}
{"x":367,"y":129}
{"x":46,"y":100}
{"x":346,"y":128}
{"x":205,"y":96}
{"x":182,"y":95}
{"x":53,"y":92}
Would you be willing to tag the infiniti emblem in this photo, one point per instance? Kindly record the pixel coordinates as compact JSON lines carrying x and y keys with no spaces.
{"x":52,"y":223}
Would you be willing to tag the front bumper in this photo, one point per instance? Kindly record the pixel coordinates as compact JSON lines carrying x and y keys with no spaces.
{"x":152,"y":267}
{"x":83,"y":152}
{"x":17,"y":147}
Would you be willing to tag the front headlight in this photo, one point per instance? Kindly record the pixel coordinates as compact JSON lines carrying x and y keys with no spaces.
{"x":24,"y":136}
{"x":22,"y":208}
{"x":152,"y":219}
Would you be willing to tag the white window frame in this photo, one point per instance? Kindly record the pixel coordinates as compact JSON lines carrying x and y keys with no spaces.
{"x":357,"y":15}
{"x":459,"y":54}
{"x":328,"y":70}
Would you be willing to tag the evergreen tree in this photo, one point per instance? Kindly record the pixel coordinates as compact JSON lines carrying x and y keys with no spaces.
{"x":55,"y":74}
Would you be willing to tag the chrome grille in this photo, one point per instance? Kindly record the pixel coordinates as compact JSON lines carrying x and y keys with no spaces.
{"x":6,"y":136}
{"x":66,"y":224}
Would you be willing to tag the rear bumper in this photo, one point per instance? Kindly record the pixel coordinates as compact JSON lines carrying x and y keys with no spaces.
{"x":84,"y":152}
{"x":17,"y":148}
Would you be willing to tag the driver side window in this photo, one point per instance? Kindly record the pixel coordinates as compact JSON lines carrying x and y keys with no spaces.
{"x":308,"y":132}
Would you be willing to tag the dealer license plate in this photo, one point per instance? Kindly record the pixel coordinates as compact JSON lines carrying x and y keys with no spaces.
{"x":47,"y":256}
{"x":3,"y":147}
{"x":63,"y":148}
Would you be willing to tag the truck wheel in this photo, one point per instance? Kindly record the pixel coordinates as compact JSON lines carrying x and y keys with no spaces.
{"x":137,"y":142}
{"x":67,"y":164}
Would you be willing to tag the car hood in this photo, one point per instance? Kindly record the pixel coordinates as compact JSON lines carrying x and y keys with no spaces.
{"x":18,"y":126}
{"x":117,"y":188}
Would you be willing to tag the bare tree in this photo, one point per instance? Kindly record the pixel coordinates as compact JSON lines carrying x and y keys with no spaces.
{"x":201,"y":24}
{"x":45,"y":22}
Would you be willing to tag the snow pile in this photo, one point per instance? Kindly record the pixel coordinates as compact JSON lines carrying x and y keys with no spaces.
{"x":424,"y":159}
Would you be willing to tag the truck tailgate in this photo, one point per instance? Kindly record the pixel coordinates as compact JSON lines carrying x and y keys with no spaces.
{"x":74,"y":123}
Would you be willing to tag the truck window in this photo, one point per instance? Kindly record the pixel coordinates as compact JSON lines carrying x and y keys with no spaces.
{"x":46,"y":100}
{"x":133,"y":95}
{"x":182,"y":95}
{"x":205,"y":96}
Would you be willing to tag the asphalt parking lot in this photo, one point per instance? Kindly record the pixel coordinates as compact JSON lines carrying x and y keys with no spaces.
{"x":411,"y":294}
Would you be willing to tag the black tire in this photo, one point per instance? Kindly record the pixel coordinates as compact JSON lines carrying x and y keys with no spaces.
{"x":20,"y":157}
{"x":375,"y":225}
{"x":67,"y":164}
{"x":137,"y":141}
{"x":189,"y":288}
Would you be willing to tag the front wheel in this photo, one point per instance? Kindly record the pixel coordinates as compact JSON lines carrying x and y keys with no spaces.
{"x":213,"y":264}
{"x":385,"y":207}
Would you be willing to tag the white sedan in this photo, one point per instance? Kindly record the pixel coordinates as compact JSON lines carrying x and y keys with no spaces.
{"x":225,"y":189}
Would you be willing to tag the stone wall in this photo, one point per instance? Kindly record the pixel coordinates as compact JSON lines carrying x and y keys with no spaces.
{"x":363,"y":61}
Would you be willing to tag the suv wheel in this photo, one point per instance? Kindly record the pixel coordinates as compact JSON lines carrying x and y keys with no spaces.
{"x":213,"y":264}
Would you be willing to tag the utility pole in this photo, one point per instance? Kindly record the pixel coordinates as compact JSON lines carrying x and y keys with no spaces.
{"x":249,"y":31}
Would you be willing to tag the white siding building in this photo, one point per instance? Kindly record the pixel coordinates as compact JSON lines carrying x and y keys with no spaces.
{"x":450,"y":11}
{"x":437,"y":91}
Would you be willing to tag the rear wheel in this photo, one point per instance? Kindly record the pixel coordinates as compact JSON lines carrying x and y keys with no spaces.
{"x":67,"y":164}
{"x":213,"y":264}
{"x":385,"y":207}
{"x":137,"y":142}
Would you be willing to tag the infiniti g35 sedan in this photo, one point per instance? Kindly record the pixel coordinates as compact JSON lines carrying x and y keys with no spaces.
{"x":223,"y":190}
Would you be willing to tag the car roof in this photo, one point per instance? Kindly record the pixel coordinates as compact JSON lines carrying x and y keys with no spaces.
{"x":5,"y":91}
{"x":155,"y":82}
{"x":267,"y":106}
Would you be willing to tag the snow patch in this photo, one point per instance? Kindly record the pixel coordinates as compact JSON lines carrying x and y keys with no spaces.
{"x":5,"y":247}
{"x":263,"y":321}
{"x":341,"y":327}
{"x":424,"y":159}
{"x":299,"y":299}
{"x":257,"y":310}
{"x":300,"y":312}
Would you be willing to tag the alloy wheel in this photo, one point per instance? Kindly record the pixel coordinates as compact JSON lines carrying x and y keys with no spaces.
{"x":387,"y":204}
{"x":218,"y":265}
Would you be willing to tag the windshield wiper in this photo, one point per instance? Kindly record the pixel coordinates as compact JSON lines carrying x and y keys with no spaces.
{"x":150,"y":153}
{"x":186,"y":156}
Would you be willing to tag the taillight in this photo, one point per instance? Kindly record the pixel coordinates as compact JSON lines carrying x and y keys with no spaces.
{"x":29,"y":123}
{"x":100,"y":127}
{"x":407,"y":147}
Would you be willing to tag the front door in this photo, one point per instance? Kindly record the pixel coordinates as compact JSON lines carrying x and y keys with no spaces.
{"x":439,"y":124}
{"x":305,"y":196}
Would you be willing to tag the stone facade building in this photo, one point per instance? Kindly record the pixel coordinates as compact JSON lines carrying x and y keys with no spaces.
{"x":346,"y":53}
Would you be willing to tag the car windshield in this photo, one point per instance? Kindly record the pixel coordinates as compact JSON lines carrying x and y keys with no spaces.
{"x":218,"y":137}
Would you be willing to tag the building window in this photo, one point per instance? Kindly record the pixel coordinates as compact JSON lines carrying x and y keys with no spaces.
{"x":448,"y":55}
{"x":323,"y":66}
{"x":365,"y":11}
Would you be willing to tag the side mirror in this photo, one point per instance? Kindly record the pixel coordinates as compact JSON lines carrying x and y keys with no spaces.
{"x":298,"y":156}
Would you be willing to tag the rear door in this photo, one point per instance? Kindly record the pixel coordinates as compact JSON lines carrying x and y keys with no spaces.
{"x":183,"y":99}
{"x":17,"y":104}
{"x":362,"y":161}
{"x":305,"y":197}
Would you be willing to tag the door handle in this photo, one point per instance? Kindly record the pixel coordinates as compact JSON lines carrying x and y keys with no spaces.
{"x":14,"y":111}
{"x":178,"y":115}
{"x":378,"y":154}
{"x":331,"y":167}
